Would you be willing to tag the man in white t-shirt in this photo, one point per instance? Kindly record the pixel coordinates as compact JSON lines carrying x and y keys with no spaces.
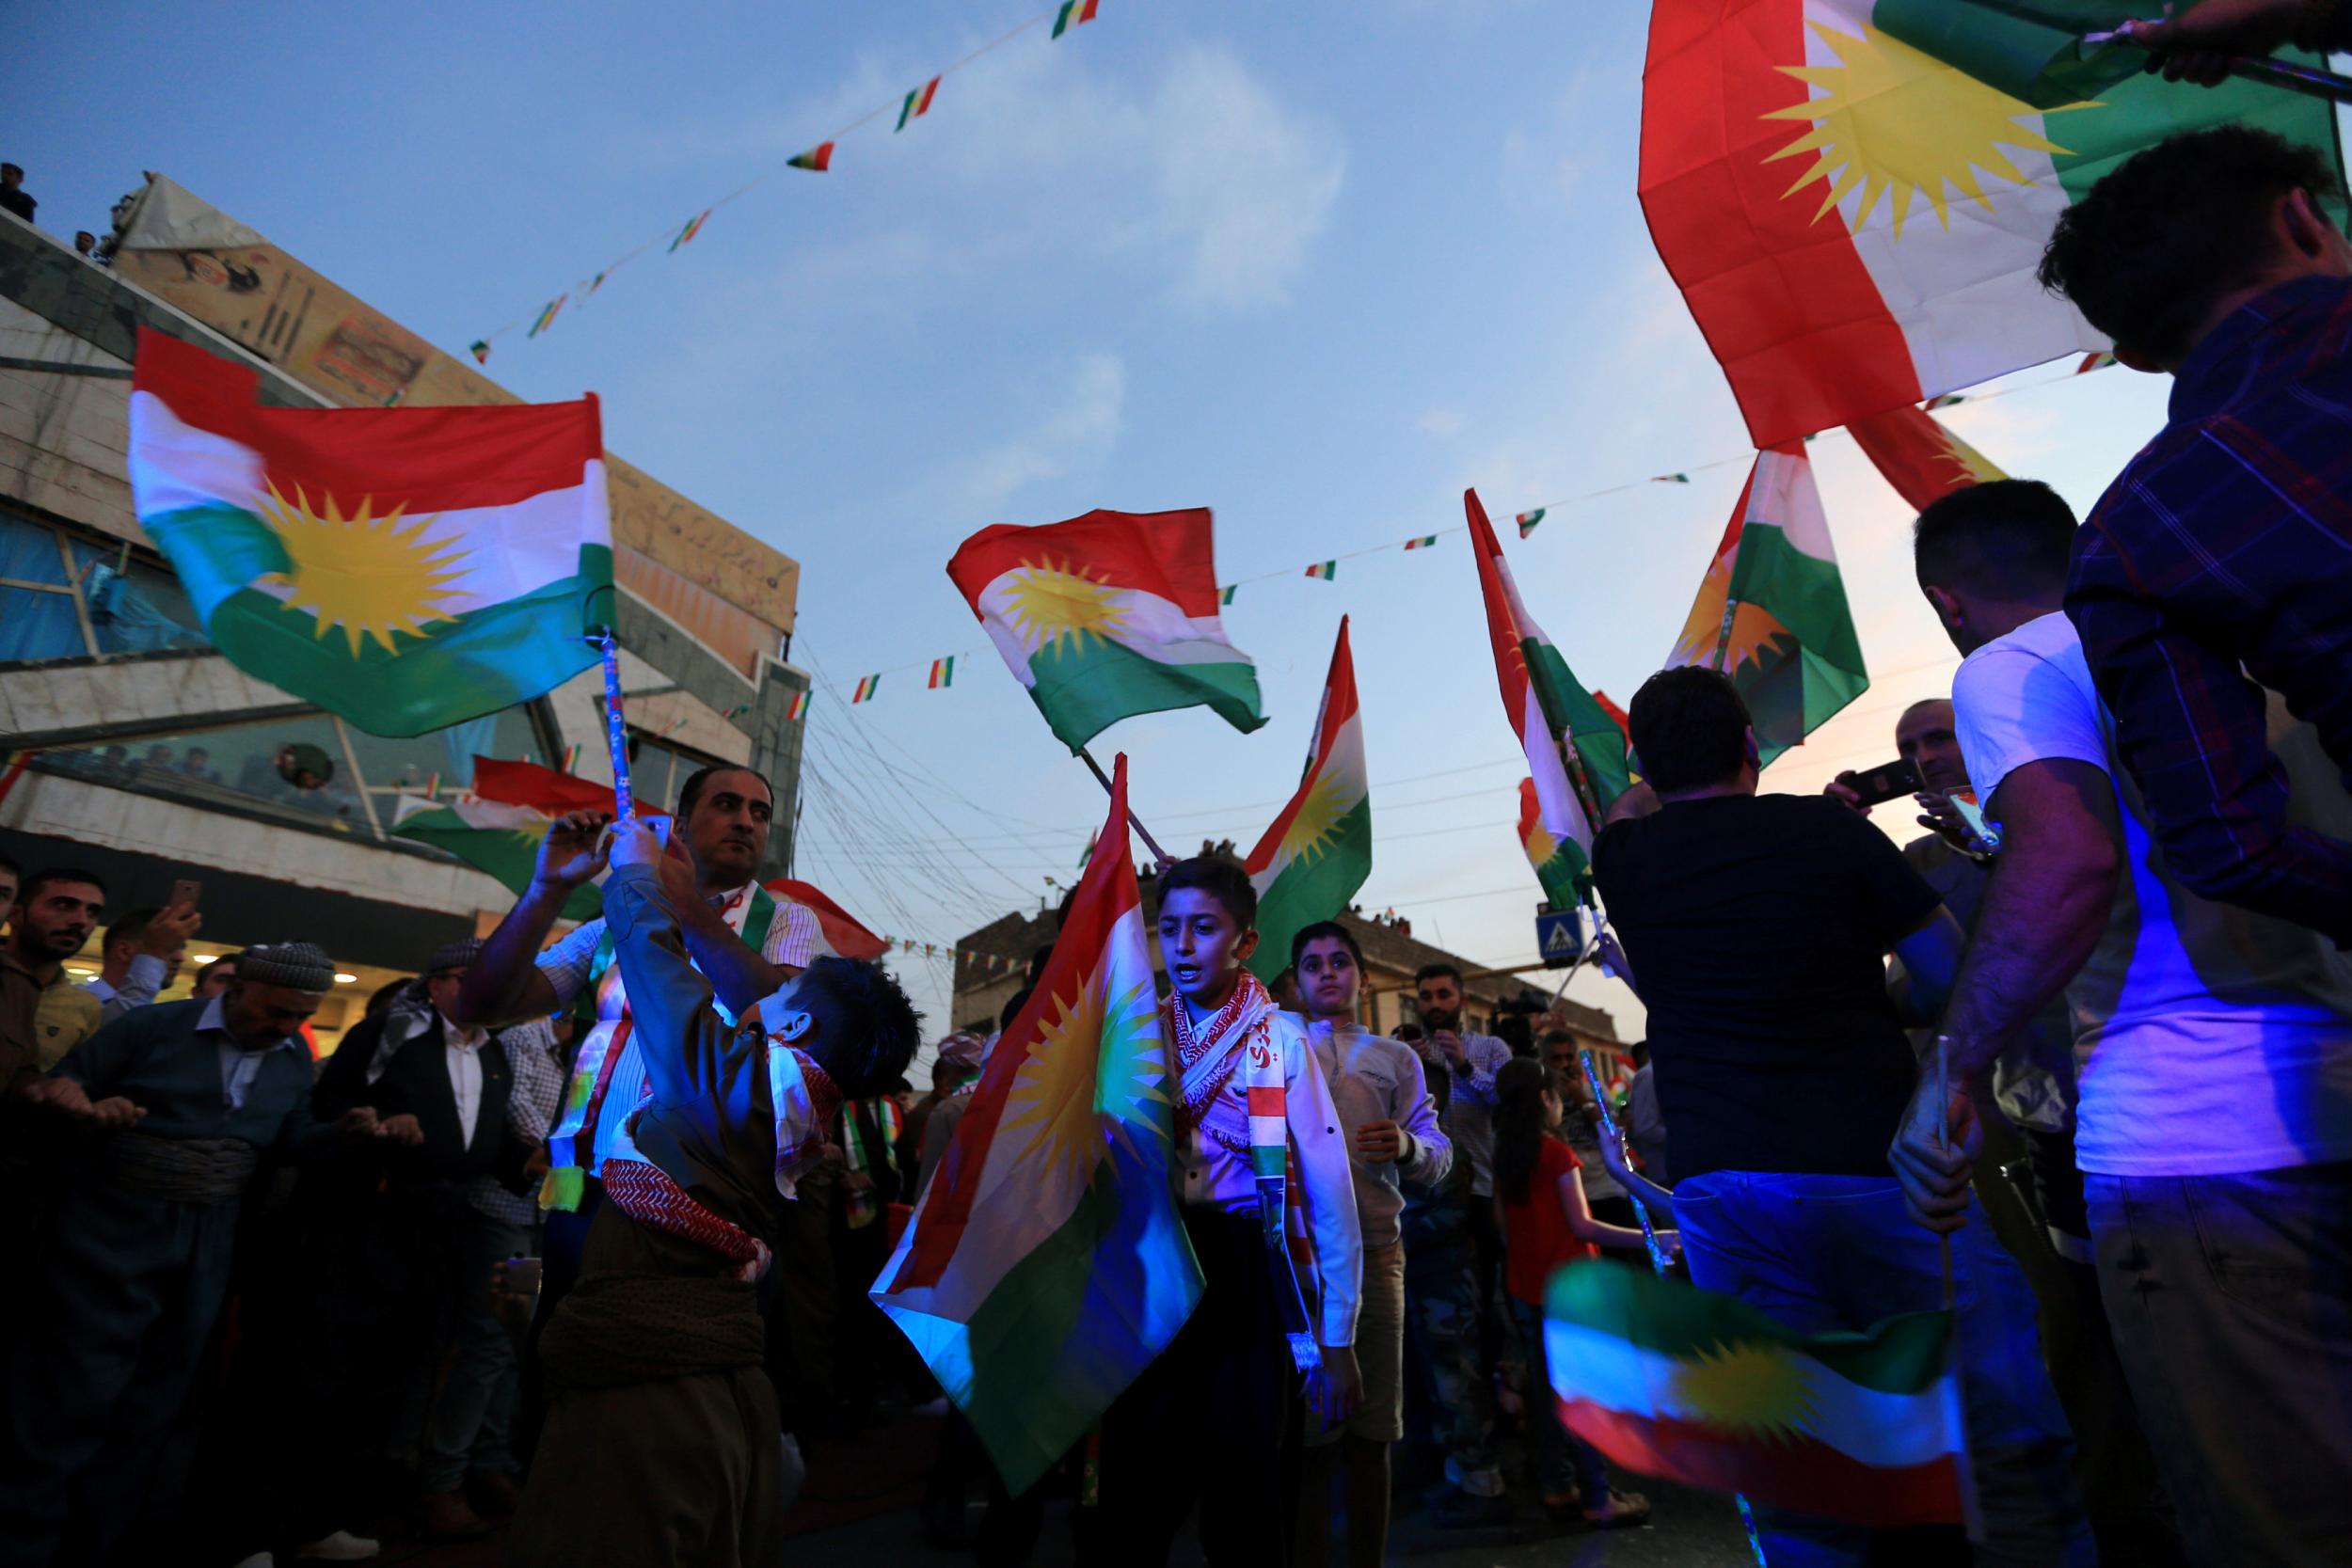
{"x":2215,"y":1129}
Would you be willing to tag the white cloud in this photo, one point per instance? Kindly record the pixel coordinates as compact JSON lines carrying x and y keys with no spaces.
{"x":1442,"y":423}
{"x":1080,"y":431}
{"x":1247,"y":183}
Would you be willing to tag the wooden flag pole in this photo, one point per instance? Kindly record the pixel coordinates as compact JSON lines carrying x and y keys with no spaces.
{"x":1165,"y":859}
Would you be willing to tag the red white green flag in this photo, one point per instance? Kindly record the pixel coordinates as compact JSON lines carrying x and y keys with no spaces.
{"x":799,"y":706}
{"x":693,"y":227}
{"x":547,"y":316}
{"x":1425,"y":542}
{"x":1921,"y":459}
{"x":1110,"y":615}
{"x":1326,"y":570}
{"x":407,"y":568}
{"x":1527,"y":521}
{"x":1562,"y":868}
{"x":1698,"y":1387}
{"x":495,"y":825}
{"x":1046,"y":1266}
{"x":1771,"y":612}
{"x":1074,"y":13}
{"x":918,"y":103}
{"x":943,"y":673}
{"x":842,"y":935}
{"x":866,"y":686}
{"x":1855,"y":195}
{"x":819,"y":158}
{"x":1575,"y":752}
{"x":1318,"y":851}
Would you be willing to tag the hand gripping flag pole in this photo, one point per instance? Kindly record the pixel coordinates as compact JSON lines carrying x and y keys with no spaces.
{"x":1658,"y":1261}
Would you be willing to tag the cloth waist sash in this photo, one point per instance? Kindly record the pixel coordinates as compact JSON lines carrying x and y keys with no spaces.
{"x":614,"y":1330}
{"x":572,"y":1152}
{"x":645,"y":1193}
{"x":180,"y":1170}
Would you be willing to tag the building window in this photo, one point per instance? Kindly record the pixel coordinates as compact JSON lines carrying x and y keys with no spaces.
{"x":41,"y":614}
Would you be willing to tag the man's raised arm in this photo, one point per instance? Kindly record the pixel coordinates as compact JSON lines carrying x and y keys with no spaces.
{"x":504,"y":984}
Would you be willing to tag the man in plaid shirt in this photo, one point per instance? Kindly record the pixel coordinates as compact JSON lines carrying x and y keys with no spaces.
{"x":2220,"y":561}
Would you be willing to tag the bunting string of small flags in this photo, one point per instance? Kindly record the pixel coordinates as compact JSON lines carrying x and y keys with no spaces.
{"x":819,"y":160}
{"x":1528,"y":520}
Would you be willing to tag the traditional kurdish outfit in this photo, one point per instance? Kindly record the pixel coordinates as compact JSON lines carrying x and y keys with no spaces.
{"x":662,"y":1443}
{"x":1262,"y":1173}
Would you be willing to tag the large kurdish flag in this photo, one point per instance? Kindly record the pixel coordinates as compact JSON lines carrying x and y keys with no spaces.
{"x":1109,"y":615}
{"x":1791,"y":648}
{"x":1856,"y":219}
{"x":1576,"y":753}
{"x":407,"y":568}
{"x":1318,"y":851}
{"x":844,"y":936}
{"x":1045,"y":1266}
{"x":1702,"y":1388}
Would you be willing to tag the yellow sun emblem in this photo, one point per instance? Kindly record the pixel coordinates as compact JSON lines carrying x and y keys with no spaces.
{"x":1541,"y":845}
{"x":1310,"y":832}
{"x":1896,"y":119}
{"x":1749,"y":1387}
{"x":367,"y":575}
{"x":1055,"y":1090}
{"x":1053,"y":603}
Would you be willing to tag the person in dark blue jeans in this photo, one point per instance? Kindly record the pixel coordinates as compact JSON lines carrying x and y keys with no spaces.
{"x":1756,"y":929}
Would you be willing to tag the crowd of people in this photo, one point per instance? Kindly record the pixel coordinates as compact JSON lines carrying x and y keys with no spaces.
{"x":570,"y":1229}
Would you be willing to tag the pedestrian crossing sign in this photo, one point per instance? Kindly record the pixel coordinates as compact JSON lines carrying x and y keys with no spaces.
{"x":1559,"y":937}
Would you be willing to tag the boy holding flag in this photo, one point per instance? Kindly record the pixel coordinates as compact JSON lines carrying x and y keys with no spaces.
{"x":1256,"y":1134}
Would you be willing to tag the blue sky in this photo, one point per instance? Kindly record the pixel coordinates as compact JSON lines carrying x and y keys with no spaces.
{"x":1317,"y":267}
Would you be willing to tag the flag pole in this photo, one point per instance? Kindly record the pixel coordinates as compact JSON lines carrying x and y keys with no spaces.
{"x":1722,"y":637}
{"x":1658,"y":1261}
{"x":1971,"y":1513}
{"x":1149,"y":843}
{"x":615,"y":734}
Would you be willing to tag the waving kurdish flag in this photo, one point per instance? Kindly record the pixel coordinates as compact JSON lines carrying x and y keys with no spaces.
{"x":497,"y":826}
{"x":843,"y":936}
{"x":1854,"y":195}
{"x":1575,"y":750}
{"x":407,"y":568}
{"x":1921,"y":459}
{"x":1045,"y":1266}
{"x":1704,"y":1389}
{"x":1318,"y":851}
{"x":1110,"y":615}
{"x":1787,"y":641}
{"x":1562,"y":867}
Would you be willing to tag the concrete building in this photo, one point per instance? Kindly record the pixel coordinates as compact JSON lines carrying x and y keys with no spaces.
{"x":145,"y":756}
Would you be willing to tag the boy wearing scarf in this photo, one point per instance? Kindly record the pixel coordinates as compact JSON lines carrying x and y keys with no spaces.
{"x":662,"y":1443}
{"x":1262,"y":1175}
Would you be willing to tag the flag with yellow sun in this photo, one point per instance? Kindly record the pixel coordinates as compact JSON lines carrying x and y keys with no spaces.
{"x":406,"y":568}
{"x":1046,"y":1265}
{"x":1920,"y":458}
{"x":1318,"y":851}
{"x":1855,"y":195}
{"x":1699,"y":1387}
{"x":1110,"y":615}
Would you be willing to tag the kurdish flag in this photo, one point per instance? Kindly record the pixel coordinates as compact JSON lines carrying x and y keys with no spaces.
{"x":1527,"y":521}
{"x":480,"y":349}
{"x":693,"y":227}
{"x":943,"y":673}
{"x":918,"y":103}
{"x":1318,"y":851}
{"x":1425,"y":542}
{"x":497,"y":826}
{"x":799,"y":707}
{"x":1326,"y":570}
{"x":1772,"y":611}
{"x":1560,"y":868}
{"x":1854,"y":195}
{"x":406,"y":568}
{"x":866,"y":686}
{"x":547,"y":316}
{"x":1575,"y":750}
{"x":1073,"y":13}
{"x":843,"y":935}
{"x":1110,"y":615}
{"x":1703,"y":1389}
{"x":1045,"y":1266}
{"x":1921,"y":459}
{"x":819,"y":158}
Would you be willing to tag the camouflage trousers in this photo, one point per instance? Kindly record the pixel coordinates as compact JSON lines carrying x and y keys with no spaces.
{"x":1441,"y":1337}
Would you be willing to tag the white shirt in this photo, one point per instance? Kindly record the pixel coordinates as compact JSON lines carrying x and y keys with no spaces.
{"x":2216,"y":1041}
{"x":463,"y":1048}
{"x":146,"y":977}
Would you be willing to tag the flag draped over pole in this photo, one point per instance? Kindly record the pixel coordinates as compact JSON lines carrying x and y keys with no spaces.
{"x":1854,"y":196}
{"x":1575,"y":752}
{"x":1772,"y":611}
{"x":1109,"y":615}
{"x":1317,"y":852}
{"x":1046,"y":1266}
{"x":406,"y":568}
